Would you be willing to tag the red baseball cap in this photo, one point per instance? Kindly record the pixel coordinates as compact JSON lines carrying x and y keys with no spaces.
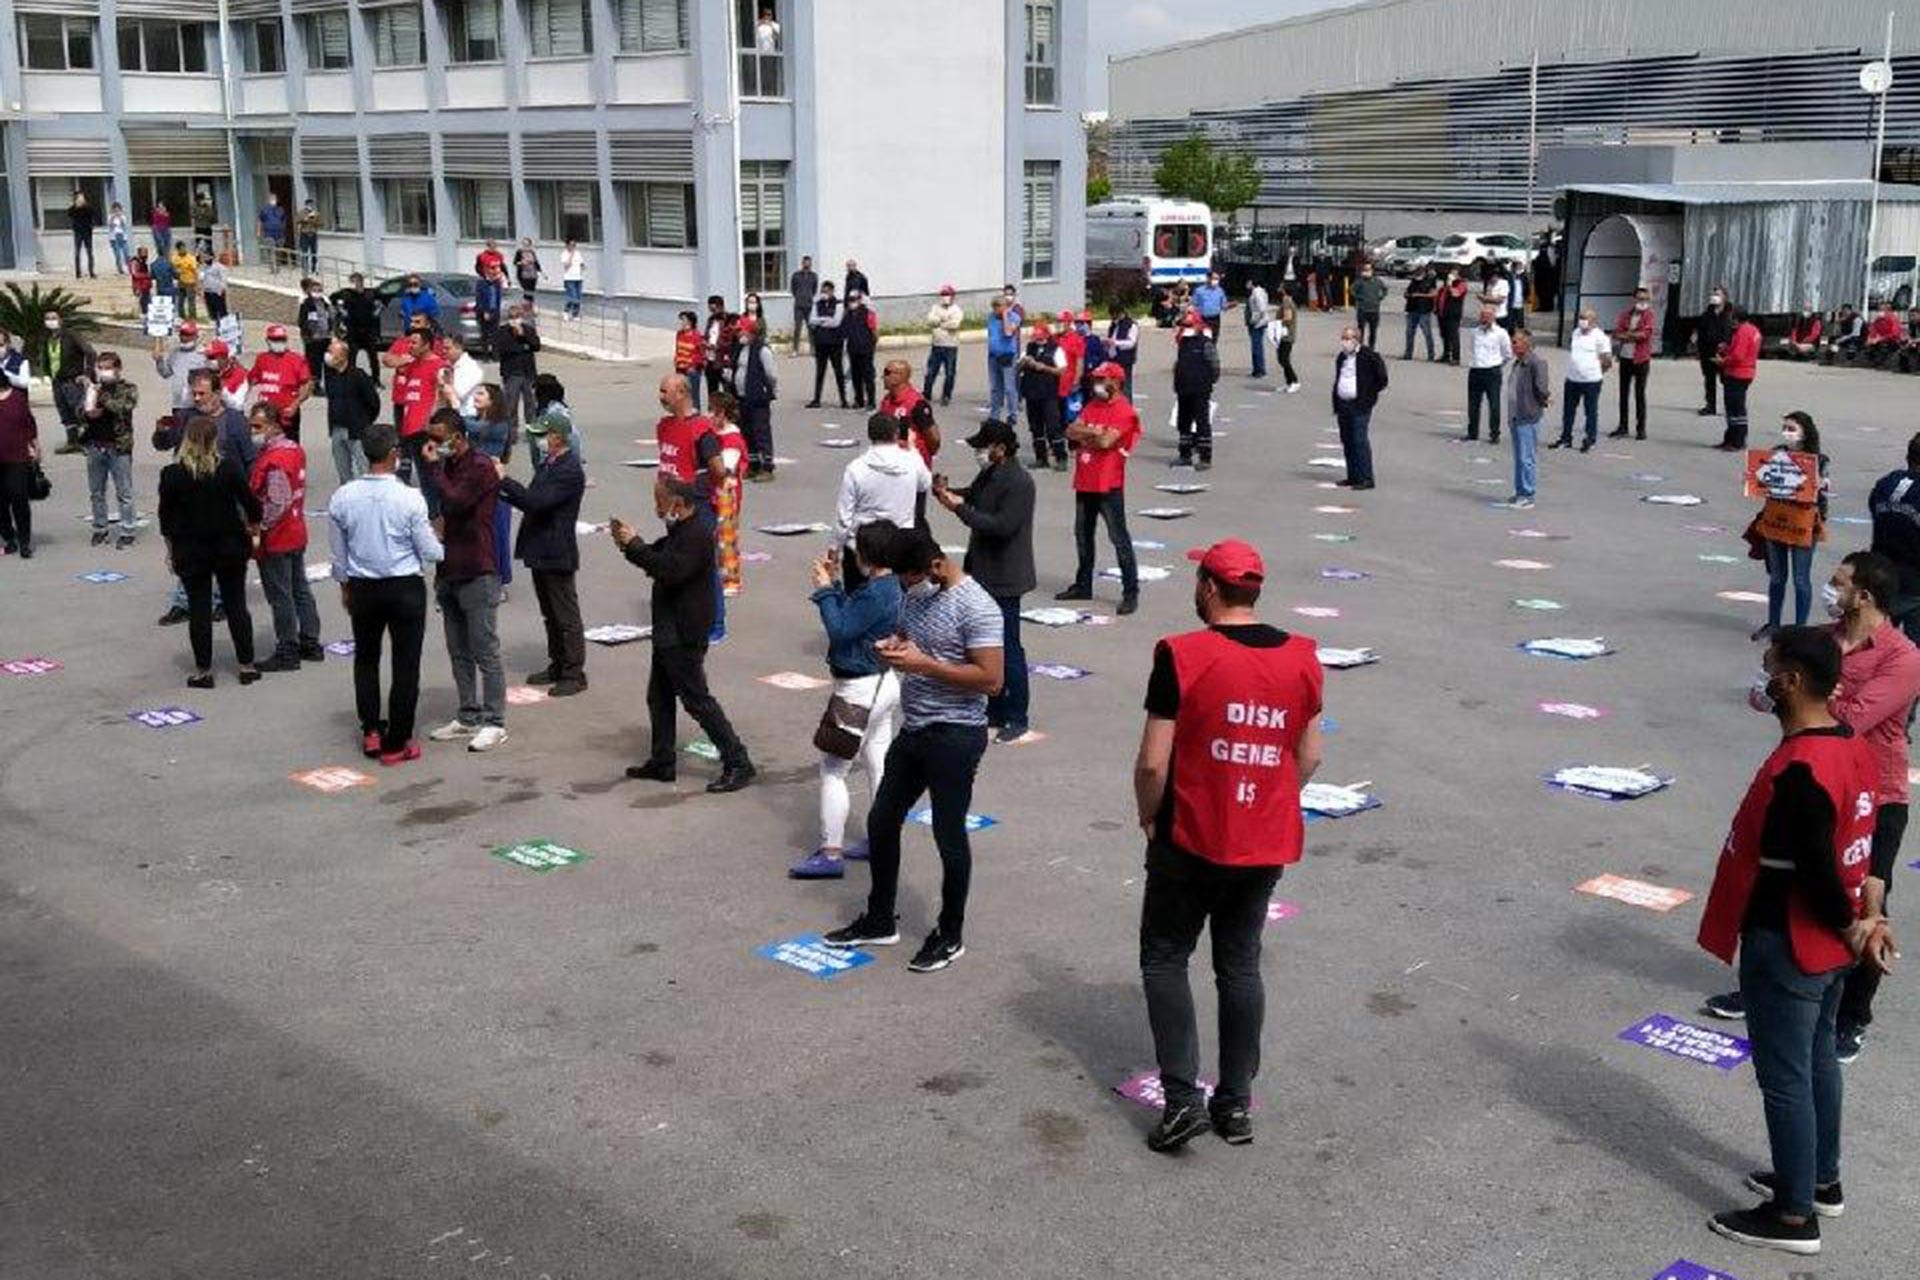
{"x":276,"y":332}
{"x":1086,"y":315}
{"x":1108,"y":369}
{"x":217,"y":350}
{"x":188,"y":329}
{"x":946,"y":291}
{"x":1066,"y":317}
{"x":1232,"y":561}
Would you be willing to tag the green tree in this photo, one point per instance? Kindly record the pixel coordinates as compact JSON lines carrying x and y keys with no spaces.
{"x":1099,"y":188}
{"x":1194,"y":169}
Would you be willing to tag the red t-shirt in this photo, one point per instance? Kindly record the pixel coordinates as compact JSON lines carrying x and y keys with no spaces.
{"x":1075,"y":348}
{"x":416,"y":390}
{"x":900,"y":404}
{"x":1104,"y":470}
{"x":278,"y":374}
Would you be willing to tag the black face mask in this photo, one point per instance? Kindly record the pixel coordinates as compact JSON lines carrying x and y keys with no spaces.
{"x":1777,"y":694}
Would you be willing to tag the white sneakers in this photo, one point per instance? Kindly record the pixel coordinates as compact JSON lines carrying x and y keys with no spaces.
{"x":1293,"y":388}
{"x":484,"y":737}
{"x":488,"y":738}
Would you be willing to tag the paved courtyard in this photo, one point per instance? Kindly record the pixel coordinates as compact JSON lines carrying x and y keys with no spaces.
{"x":253,"y":1029}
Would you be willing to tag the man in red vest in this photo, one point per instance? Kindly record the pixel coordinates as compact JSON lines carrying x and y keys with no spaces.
{"x":691,"y":453}
{"x":903,"y":401}
{"x":1788,"y":896}
{"x":1103,"y":437}
{"x":279,"y":480}
{"x":416,"y":393}
{"x":1232,"y":734}
{"x":282,"y":379}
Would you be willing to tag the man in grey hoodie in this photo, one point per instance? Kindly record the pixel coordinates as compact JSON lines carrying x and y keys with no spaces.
{"x":884,"y":483}
{"x":1529,"y":391}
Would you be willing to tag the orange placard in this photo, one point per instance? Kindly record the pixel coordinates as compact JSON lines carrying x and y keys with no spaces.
{"x":1782,"y":474}
{"x":1791,"y":524}
{"x":1636,"y":893}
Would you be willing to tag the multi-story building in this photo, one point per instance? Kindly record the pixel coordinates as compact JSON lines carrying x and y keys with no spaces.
{"x":691,"y":147}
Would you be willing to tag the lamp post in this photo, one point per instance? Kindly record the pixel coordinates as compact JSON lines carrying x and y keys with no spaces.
{"x":1876,"y":78}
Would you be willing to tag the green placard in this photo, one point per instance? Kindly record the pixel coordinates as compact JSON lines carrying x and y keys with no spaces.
{"x":702,"y":748}
{"x":1538,"y":605}
{"x":539,"y":855}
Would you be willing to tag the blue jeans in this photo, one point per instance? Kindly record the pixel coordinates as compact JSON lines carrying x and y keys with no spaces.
{"x":1420,"y":322}
{"x":104,"y":461}
{"x":1526,"y":448}
{"x":1790,"y":1019}
{"x":939,"y":760}
{"x":941,"y":359}
{"x":1780,"y":557}
{"x":1354,"y":442}
{"x":1005,"y":384}
{"x":163,"y":240}
{"x":1257,"y":336}
{"x":1009,"y":706}
{"x":121,"y":256}
{"x":1579,"y":396}
{"x":573,"y":289}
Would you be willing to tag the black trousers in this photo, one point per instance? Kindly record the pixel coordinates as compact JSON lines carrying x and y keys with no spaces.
{"x":1450,"y":338}
{"x":823,"y":358}
{"x":16,"y":503}
{"x":1856,"y":998}
{"x":1710,"y":380}
{"x":1184,"y":895}
{"x":560,"y":610}
{"x":367,"y":340}
{"x":1049,"y":432}
{"x":680,"y":672}
{"x":1736,"y":432}
{"x":1633,"y":381}
{"x":199,"y":582}
{"x":1368,"y":322}
{"x":1111,"y":506}
{"x":938,"y":760}
{"x":1284,"y":354}
{"x":1483,"y":384}
{"x":1194,"y":419}
{"x":860,"y":369}
{"x":756,"y":423}
{"x":383,"y":607}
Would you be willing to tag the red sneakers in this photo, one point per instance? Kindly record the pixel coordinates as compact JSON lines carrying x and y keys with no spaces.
{"x":409,"y":752}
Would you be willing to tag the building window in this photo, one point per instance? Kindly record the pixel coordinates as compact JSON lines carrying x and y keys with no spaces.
{"x":559,"y":28}
{"x":762,"y":49}
{"x":51,"y":196}
{"x":409,"y":206}
{"x":763,"y":224}
{"x":144,"y":192}
{"x":49,"y":42}
{"x":473,"y":30}
{"x":261,"y":49}
{"x":485,"y":207}
{"x":566,"y":210}
{"x":163,"y":47}
{"x":652,"y":26}
{"x":1042,"y":53}
{"x":1036,"y":219}
{"x":338,"y":201}
{"x":659,"y":215}
{"x":397,"y":36}
{"x":325,"y":35}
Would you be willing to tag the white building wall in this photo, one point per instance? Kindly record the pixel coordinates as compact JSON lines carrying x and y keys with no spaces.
{"x":329,"y":91}
{"x":660,"y":77}
{"x":911,"y":177}
{"x":170,"y":95}
{"x":60,"y":92}
{"x":261,"y":95}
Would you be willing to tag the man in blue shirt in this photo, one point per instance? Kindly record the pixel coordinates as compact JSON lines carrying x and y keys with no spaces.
{"x":1210,"y":300}
{"x":273,"y":231}
{"x":418,"y":300}
{"x":1003,"y":352}
{"x":381,"y":540}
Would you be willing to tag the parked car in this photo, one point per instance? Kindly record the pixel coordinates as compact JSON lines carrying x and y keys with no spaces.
{"x":1403,"y":255}
{"x":457,"y":315}
{"x":1462,"y":247}
{"x":1891,"y":276}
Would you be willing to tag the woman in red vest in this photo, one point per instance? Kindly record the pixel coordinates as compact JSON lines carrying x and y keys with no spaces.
{"x":1788,"y":897}
{"x":279,"y":481}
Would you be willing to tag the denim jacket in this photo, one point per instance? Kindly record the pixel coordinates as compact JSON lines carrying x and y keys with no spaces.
{"x":855,"y":621}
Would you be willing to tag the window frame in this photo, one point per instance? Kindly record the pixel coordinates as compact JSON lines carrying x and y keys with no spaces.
{"x":390,"y":188}
{"x":143,"y":189}
{"x":640,"y":49}
{"x":548,"y":196}
{"x":1043,"y":66}
{"x":53,"y":218}
{"x":1033,"y":174}
{"x":313,"y":47}
{"x":449,"y":9}
{"x":324,"y":190}
{"x":764,"y":264}
{"x":753,"y":63}
{"x":68,"y":25}
{"x":250,"y":46}
{"x":463,"y":194}
{"x":527,"y":9}
{"x":145,"y":31}
{"x":378,"y":15}
{"x":634,"y":201}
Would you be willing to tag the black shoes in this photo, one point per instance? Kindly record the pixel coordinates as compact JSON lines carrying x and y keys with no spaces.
{"x":652,"y":771}
{"x":865,"y":932}
{"x":1828,"y":1201}
{"x":204,"y":681}
{"x":1562,"y":443}
{"x":732,"y":778}
{"x":99,"y":537}
{"x":1010,"y":733}
{"x":172,"y":617}
{"x":544,"y":676}
{"x":1586,"y":446}
{"x":1360,"y":485}
{"x":1234,"y":1124}
{"x":1128,"y":604}
{"x":248,"y":676}
{"x":1203,"y":464}
{"x":567,"y":688}
{"x":279,"y":662}
{"x":936,"y":953}
{"x":1706,"y":411}
{"x":1619,"y":434}
{"x":312,"y":651}
{"x":1074,"y":593}
{"x":1763,"y":1228}
{"x":1178,"y":1126}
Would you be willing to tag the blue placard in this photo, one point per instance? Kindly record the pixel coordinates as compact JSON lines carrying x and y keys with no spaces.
{"x":975,"y":821}
{"x":100,"y":576}
{"x":811,"y":956}
{"x":164,"y":717}
{"x":1684,"y":1040}
{"x":1681,"y":1269}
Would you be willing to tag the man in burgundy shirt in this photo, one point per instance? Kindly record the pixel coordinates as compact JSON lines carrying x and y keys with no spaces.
{"x":467,"y":585}
{"x":1633,"y":345}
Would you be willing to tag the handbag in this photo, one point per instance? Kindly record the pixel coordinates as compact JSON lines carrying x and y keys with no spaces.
{"x":842,"y":727}
{"x":39,"y":487}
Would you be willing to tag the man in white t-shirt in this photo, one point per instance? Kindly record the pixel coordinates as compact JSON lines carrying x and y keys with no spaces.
{"x":464,"y":376}
{"x":1589,"y":356}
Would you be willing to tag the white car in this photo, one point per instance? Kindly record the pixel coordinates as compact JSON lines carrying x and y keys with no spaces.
{"x":1462,"y":247}
{"x":1402,"y":255}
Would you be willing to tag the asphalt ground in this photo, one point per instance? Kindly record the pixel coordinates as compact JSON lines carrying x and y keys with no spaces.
{"x":248,"y":1029}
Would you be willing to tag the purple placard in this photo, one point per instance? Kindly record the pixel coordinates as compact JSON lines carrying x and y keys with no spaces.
{"x":1681,"y":1269}
{"x":1345,"y":575}
{"x":339,"y":648}
{"x":1684,"y":1040}
{"x":164,"y":717}
{"x":1145,"y":1089}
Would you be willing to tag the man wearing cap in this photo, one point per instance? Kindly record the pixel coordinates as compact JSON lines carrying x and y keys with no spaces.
{"x":1041,"y":369}
{"x":944,"y":318}
{"x":997,"y":509}
{"x":1103,"y":439}
{"x":1232,"y":734}
{"x":282,"y":379}
{"x":232,"y":374}
{"x":177,"y":365}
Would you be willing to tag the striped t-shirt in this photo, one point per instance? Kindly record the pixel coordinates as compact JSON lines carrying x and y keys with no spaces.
{"x":945,"y":625}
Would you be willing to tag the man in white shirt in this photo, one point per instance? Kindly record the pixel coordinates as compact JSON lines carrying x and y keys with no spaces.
{"x":1589,"y":356}
{"x":1495,"y":292}
{"x":1258,"y":317}
{"x":945,"y":318}
{"x":1490,"y":349}
{"x":884,"y":483}
{"x":464,"y":376}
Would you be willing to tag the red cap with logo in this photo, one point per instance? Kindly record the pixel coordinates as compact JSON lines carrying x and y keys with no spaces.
{"x":1066,"y":317}
{"x":188,"y":329}
{"x":1231,"y":561}
{"x":1086,"y":315}
{"x":1109,"y":369}
{"x":217,"y":350}
{"x":276,"y":333}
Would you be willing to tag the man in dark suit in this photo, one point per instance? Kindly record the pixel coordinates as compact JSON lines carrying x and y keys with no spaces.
{"x":1359,"y":376}
{"x":550,"y":549}
{"x":682,"y":568}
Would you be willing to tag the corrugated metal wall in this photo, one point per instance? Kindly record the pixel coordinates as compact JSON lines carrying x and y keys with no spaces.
{"x":1380,"y":43}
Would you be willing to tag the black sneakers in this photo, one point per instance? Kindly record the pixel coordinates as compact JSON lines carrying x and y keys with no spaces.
{"x":1234,"y":1124}
{"x":1847,"y":1042}
{"x":1178,"y":1126}
{"x":1828,"y":1201}
{"x":936,"y":953}
{"x":865,"y":932}
{"x":1763,"y":1228}
{"x":1729,"y":1007}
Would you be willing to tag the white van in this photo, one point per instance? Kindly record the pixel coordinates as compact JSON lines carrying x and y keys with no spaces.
{"x":1166,"y":240}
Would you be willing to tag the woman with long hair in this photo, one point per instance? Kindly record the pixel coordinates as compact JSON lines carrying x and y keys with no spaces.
{"x":1787,"y":531}
{"x":490,"y":430}
{"x":724,"y":413}
{"x":208,"y":513}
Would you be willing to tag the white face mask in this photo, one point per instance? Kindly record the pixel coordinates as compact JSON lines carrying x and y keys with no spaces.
{"x":276,"y":346}
{"x":53,"y":326}
{"x":1830,"y":596}
{"x":1640,"y":304}
{"x":1349,"y":345}
{"x":1585,"y":324}
{"x":925,"y":589}
{"x":1101,"y":391}
{"x":1718,"y":300}
{"x":1792,"y":439}
{"x":984,"y":457}
{"x":106,"y":375}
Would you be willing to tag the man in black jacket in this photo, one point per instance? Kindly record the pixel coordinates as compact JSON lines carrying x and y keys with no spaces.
{"x":1359,"y":376}
{"x":68,"y":363}
{"x":803,"y":285}
{"x":353,"y":405}
{"x":359,"y":309}
{"x":997,"y":509}
{"x":1711,"y":330}
{"x":829,"y":344}
{"x":550,"y":549}
{"x":514,"y":346}
{"x":682,"y":567}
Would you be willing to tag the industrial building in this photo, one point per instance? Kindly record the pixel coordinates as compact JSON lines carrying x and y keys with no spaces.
{"x":690,"y":146}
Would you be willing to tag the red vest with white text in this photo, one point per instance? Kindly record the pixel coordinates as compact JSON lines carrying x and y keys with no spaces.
{"x":290,"y":534}
{"x":679,"y":440}
{"x":277,"y":375}
{"x":1844,"y":769}
{"x":1236,"y":781}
